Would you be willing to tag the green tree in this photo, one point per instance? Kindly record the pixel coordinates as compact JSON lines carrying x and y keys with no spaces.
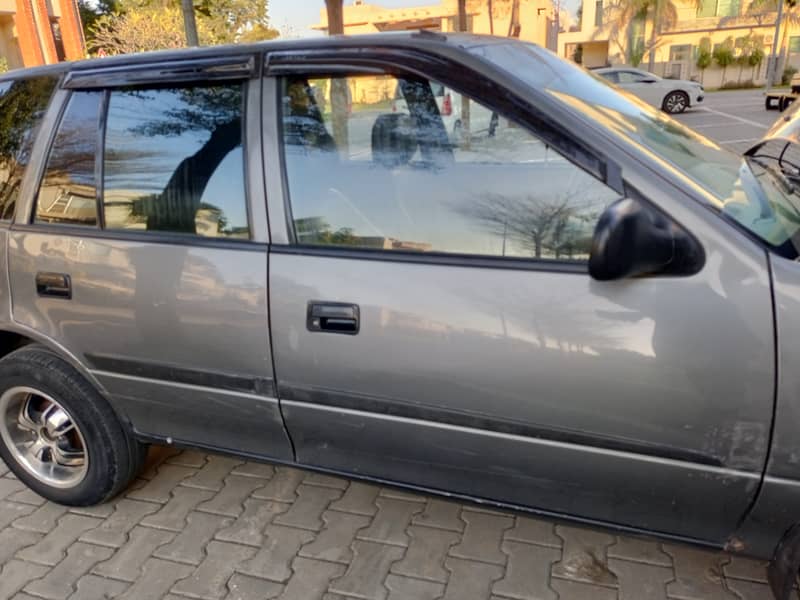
{"x":123,"y":26}
{"x":723,"y":56}
{"x":755,"y":60}
{"x":704,"y":57}
{"x":624,"y":16}
{"x":745,"y":46}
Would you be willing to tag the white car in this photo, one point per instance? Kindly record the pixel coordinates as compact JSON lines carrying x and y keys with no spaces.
{"x":670,"y":95}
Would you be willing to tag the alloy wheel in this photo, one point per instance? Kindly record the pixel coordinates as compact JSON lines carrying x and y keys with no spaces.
{"x":42,"y":437}
{"x":675,"y":103}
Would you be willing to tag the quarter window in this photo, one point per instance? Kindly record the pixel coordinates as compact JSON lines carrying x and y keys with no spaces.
{"x":404,"y":165}
{"x":173,"y":161}
{"x":22,"y":105}
{"x":68,"y":193}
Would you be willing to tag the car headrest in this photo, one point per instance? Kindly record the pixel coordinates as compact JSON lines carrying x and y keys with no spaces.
{"x":393,"y":140}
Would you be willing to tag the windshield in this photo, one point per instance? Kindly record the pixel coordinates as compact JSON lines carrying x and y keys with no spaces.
{"x":749,"y":192}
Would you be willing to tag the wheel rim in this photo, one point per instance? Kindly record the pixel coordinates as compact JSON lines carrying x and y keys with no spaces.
{"x":676,"y":103}
{"x":42,"y":437}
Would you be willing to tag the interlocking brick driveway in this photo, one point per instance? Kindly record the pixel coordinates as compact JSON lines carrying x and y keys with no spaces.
{"x":211,"y":527}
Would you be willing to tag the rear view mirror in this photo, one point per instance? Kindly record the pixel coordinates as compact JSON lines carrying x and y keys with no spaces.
{"x":632,"y":240}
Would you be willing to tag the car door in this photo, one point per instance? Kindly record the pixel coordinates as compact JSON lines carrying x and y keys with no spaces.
{"x":434,"y":323}
{"x":140,"y":255}
{"x":643,"y":85}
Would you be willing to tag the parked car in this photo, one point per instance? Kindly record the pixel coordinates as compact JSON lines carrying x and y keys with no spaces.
{"x":673,"y":96}
{"x":591,"y":314}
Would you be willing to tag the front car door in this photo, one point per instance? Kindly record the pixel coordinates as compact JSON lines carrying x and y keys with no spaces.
{"x":434,"y":322}
{"x":143,"y":253}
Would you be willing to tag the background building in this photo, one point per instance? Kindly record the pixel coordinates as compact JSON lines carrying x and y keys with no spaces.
{"x":538,"y":19}
{"x":607,"y":32}
{"x":38,"y":32}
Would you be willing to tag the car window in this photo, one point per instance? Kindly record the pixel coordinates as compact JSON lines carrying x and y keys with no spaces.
{"x":631,"y":77}
{"x":68,"y":193}
{"x":173,"y":161}
{"x":399,"y":169}
{"x":612,"y":76}
{"x":22,"y":106}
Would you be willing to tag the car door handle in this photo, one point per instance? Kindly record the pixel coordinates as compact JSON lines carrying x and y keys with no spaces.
{"x":54,"y":285}
{"x":333,"y":317}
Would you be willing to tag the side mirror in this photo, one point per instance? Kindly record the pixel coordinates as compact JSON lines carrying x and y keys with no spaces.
{"x":631,"y":240}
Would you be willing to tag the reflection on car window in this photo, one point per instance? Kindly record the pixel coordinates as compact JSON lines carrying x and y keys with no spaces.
{"x":399,"y":166}
{"x":173,"y":161}
{"x":22,"y":106}
{"x":68,"y":192}
{"x":630,"y":77}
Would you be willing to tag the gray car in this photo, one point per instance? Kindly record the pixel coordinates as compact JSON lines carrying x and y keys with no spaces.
{"x":588,"y":312}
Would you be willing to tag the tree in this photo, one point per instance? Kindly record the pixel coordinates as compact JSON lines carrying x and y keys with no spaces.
{"x":339,"y":91}
{"x":723,"y":55}
{"x":577,"y":54}
{"x":704,"y":58}
{"x":624,"y":16}
{"x":143,"y":30}
{"x":765,"y":9}
{"x":122,"y":26}
{"x":745,"y":47}
{"x":755,"y":60}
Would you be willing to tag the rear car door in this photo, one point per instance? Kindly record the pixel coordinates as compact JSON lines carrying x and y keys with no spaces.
{"x":143,"y":253}
{"x":434,"y":323}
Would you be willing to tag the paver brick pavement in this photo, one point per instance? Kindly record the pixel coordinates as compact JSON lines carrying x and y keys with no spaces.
{"x":213,"y":528}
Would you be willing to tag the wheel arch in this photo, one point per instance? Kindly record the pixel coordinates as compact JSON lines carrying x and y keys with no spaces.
{"x":14,"y":336}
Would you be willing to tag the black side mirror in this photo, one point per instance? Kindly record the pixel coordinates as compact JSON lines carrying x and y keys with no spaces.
{"x":631,"y":240}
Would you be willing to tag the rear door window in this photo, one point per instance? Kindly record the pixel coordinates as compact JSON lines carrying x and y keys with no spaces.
{"x":68,"y":193}
{"x":166,"y":160}
{"x":22,"y":106}
{"x":173,"y":161}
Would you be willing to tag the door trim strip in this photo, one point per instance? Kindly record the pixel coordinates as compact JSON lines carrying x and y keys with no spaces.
{"x":261,"y":386}
{"x":387,"y":407}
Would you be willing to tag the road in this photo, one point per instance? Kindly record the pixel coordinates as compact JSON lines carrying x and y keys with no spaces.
{"x":734,"y":119}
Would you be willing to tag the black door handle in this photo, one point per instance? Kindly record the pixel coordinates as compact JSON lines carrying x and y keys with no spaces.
{"x":333,"y":317}
{"x":54,"y":285}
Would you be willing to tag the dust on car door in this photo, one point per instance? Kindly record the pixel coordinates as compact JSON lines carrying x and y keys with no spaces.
{"x":434,"y":323}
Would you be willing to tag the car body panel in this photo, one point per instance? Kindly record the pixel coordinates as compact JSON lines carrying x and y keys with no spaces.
{"x":474,"y":357}
{"x":643,"y":404}
{"x":184,"y":331}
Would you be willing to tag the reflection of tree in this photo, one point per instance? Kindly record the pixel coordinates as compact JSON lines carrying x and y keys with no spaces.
{"x":21,"y":107}
{"x":213,"y":110}
{"x":316,"y":230}
{"x":556,"y":226}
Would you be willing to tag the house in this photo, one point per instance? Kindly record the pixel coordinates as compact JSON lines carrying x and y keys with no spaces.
{"x":38,"y":32}
{"x":603,"y":35}
{"x":538,"y":19}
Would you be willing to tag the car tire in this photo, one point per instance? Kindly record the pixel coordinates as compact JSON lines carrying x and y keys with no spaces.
{"x":675,"y":102}
{"x":58,"y":435}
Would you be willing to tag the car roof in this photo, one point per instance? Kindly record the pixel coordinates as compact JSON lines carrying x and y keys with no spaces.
{"x":403,"y":39}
